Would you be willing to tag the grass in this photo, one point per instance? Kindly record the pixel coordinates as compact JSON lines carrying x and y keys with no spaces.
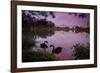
{"x":34,"y":56}
{"x":81,"y":52}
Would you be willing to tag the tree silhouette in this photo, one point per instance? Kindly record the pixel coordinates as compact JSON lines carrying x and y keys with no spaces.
{"x":30,"y":17}
{"x":80,"y":15}
{"x":38,"y":14}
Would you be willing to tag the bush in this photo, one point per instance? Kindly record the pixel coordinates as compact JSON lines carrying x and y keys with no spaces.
{"x":81,"y":52}
{"x":34,"y":56}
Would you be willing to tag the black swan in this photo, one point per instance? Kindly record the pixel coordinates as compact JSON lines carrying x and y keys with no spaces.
{"x":56,"y":50}
{"x":44,"y":45}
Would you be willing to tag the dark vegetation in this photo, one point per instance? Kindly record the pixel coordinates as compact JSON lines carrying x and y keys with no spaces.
{"x":75,"y":29}
{"x":32,"y":22}
{"x":81,"y":15}
{"x":36,"y":19}
{"x":35,"y":56}
{"x":81,"y":52}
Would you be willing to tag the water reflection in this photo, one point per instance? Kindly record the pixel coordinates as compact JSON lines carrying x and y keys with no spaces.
{"x":49,"y":45}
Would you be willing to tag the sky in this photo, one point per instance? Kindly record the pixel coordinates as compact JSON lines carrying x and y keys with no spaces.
{"x":64,"y":19}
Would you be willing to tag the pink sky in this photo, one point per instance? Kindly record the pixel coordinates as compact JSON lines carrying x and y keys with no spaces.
{"x":65,"y":19}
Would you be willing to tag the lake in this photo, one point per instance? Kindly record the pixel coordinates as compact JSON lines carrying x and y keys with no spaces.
{"x":62,"y":39}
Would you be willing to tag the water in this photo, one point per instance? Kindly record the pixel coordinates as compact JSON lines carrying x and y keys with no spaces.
{"x":63,"y":39}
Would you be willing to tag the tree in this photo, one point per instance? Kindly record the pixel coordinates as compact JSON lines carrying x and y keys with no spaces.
{"x":30,"y":17}
{"x":80,"y":15}
{"x":38,"y":14}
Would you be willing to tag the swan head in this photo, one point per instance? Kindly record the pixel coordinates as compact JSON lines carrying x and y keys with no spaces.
{"x":45,"y":41}
{"x":52,"y":46}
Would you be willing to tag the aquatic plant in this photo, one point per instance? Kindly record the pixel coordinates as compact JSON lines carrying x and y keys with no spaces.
{"x":81,"y":51}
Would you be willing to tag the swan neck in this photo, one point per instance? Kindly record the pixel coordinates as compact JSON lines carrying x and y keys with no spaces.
{"x":53,"y":47}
